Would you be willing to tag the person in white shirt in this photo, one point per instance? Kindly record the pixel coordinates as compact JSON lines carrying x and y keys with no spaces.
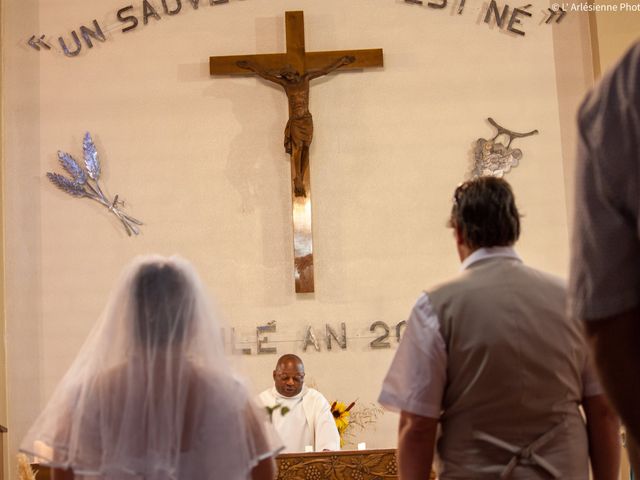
{"x":492,"y":358}
{"x":301,"y":416}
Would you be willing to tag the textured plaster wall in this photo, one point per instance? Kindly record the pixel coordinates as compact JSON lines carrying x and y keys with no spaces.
{"x":200,"y":160}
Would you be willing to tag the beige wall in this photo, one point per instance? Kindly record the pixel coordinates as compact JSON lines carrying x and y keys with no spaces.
{"x":3,"y":365}
{"x":20,"y":90}
{"x":200,"y":160}
{"x":574,"y":74}
{"x":615,"y":32}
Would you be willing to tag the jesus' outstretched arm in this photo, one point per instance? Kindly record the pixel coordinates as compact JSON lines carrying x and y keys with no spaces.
{"x":258,"y":70}
{"x":346,"y":60}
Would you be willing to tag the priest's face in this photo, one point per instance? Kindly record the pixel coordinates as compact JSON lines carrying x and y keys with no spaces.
{"x":289,"y":378}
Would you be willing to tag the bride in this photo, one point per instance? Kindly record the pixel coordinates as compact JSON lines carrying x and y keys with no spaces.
{"x":151,"y":395}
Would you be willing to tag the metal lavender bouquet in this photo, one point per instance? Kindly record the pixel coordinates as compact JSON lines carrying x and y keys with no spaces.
{"x":85,"y":183}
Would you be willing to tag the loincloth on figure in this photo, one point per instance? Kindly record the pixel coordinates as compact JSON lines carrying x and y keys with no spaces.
{"x":298,"y":132}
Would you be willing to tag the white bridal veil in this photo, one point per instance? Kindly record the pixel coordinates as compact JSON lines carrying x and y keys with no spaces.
{"x":151,"y":395}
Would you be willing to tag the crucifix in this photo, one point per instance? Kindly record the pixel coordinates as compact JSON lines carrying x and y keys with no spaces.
{"x":293,"y":70}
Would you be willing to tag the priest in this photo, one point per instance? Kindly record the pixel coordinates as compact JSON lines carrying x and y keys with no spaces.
{"x":301,"y":416}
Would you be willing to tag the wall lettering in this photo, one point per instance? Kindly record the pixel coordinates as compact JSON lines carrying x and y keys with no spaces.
{"x":279,"y":342}
{"x":381,"y":341}
{"x":126,"y":16}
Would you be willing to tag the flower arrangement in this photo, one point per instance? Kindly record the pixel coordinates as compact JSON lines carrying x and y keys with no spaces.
{"x":341,"y":416}
{"x":84,"y":183}
{"x":351,"y":418}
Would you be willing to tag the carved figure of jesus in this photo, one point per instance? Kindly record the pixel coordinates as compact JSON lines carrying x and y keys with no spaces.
{"x":299,"y":130}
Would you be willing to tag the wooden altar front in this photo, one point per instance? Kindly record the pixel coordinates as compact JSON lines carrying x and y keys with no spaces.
{"x":345,"y":465}
{"x":357,"y":464}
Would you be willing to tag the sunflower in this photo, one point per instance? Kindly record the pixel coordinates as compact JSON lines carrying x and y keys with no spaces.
{"x":341,"y":416}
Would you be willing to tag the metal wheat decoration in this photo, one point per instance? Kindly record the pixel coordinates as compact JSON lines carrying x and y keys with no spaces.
{"x":84,"y":183}
{"x":494,"y":158}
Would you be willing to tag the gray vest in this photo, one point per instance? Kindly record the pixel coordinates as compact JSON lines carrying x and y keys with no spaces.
{"x":514,"y":376}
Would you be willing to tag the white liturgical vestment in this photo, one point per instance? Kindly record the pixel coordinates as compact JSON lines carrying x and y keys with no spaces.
{"x":307,"y":422}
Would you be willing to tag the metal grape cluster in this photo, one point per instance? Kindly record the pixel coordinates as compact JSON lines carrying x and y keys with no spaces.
{"x":492,"y":158}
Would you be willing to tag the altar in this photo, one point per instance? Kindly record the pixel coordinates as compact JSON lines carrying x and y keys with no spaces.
{"x":355,"y":464}
{"x":360,"y":464}
{"x":345,"y":465}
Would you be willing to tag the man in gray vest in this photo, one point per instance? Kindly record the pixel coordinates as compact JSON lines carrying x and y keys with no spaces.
{"x":492,"y":358}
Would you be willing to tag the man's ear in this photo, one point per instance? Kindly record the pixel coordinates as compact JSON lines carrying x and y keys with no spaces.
{"x":274,"y":375}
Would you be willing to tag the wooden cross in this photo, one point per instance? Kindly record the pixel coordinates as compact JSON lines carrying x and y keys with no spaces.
{"x":292,"y":71}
